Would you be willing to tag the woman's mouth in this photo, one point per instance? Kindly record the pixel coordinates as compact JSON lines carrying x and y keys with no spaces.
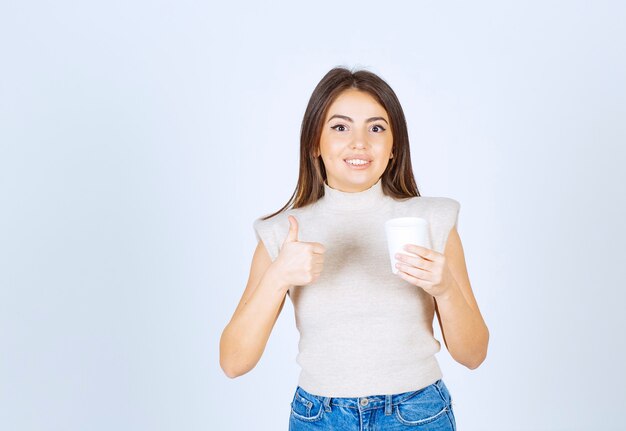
{"x":357,"y":164}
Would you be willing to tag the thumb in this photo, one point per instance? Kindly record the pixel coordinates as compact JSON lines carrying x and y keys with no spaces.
{"x":292,"y":236}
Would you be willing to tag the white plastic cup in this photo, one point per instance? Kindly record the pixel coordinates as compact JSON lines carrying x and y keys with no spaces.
{"x":405,"y":230}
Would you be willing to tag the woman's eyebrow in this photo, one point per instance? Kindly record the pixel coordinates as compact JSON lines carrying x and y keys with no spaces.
{"x":352,"y":121}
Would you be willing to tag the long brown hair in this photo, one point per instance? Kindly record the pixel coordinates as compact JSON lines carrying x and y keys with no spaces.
{"x":397,"y":180}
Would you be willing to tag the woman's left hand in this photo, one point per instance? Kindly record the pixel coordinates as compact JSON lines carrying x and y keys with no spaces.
{"x":428,"y":270}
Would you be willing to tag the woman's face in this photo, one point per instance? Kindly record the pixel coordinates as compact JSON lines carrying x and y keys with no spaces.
{"x":356,"y":130}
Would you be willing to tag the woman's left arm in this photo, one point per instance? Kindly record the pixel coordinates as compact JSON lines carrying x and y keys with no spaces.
{"x":445,"y":277}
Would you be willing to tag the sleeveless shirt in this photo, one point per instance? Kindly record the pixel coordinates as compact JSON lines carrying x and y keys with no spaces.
{"x":363,"y":330}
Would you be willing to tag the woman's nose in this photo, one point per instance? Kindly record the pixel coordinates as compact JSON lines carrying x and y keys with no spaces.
{"x":359,"y":141}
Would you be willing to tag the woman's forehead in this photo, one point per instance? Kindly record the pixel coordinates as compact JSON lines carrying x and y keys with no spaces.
{"x":356,"y":104}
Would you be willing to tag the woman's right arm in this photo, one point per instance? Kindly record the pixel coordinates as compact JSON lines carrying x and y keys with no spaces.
{"x":245,"y":337}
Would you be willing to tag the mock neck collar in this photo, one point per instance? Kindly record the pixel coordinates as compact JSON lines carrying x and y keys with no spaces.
{"x":337,"y":200}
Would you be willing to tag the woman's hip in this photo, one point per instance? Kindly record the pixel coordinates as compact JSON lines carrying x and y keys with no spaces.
{"x":428,"y":408}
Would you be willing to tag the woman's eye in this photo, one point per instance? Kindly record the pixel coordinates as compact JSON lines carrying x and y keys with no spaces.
{"x":337,"y":127}
{"x":376,"y":126}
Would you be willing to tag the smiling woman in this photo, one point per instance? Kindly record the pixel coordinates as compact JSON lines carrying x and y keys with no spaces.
{"x":366,"y":350}
{"x":355,"y":150}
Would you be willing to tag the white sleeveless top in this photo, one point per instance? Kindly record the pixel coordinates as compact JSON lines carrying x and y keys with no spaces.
{"x":363,"y":330}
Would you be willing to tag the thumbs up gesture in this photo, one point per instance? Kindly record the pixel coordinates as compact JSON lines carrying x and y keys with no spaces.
{"x":301,"y":263}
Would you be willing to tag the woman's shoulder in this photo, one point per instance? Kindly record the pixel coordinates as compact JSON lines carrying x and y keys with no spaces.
{"x":429,"y":201}
{"x":273,"y":230}
{"x":280,"y":219}
{"x":262,"y":223}
{"x":443,"y":201}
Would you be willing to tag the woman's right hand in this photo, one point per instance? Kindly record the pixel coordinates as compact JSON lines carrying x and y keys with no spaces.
{"x":300,"y":263}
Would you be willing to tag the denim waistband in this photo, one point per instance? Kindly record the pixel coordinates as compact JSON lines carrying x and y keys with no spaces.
{"x":371,"y":401}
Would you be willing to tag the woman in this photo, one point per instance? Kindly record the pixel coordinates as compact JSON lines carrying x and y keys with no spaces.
{"x":366,"y":349}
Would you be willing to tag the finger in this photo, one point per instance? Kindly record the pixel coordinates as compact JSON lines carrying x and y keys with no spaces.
{"x":416,"y":261}
{"x":415,"y":281}
{"x":424,"y":252}
{"x":414,"y":272}
{"x":318,"y":248}
{"x":292,"y":235}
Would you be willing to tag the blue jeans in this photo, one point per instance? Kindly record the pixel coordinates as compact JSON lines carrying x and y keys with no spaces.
{"x":428,"y":409}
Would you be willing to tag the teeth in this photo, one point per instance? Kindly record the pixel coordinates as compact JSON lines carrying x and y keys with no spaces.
{"x":357,"y":162}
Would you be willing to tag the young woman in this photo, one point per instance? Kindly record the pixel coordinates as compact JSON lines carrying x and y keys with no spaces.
{"x":366,"y":349}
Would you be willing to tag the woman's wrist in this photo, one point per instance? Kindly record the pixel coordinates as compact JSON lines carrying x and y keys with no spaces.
{"x":275,"y":280}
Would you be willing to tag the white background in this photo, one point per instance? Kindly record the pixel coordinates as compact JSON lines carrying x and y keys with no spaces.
{"x":139,"y":141}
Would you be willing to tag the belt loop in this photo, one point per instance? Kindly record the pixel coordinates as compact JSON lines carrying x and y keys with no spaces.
{"x":388,"y":405}
{"x":327,"y":404}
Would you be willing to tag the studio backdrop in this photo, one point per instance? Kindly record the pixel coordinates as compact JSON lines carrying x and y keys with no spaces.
{"x":140,"y":140}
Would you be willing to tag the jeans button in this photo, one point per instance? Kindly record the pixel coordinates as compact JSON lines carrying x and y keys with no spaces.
{"x":364,"y":401}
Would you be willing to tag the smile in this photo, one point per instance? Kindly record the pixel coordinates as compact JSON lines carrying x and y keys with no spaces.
{"x":358,"y":163}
